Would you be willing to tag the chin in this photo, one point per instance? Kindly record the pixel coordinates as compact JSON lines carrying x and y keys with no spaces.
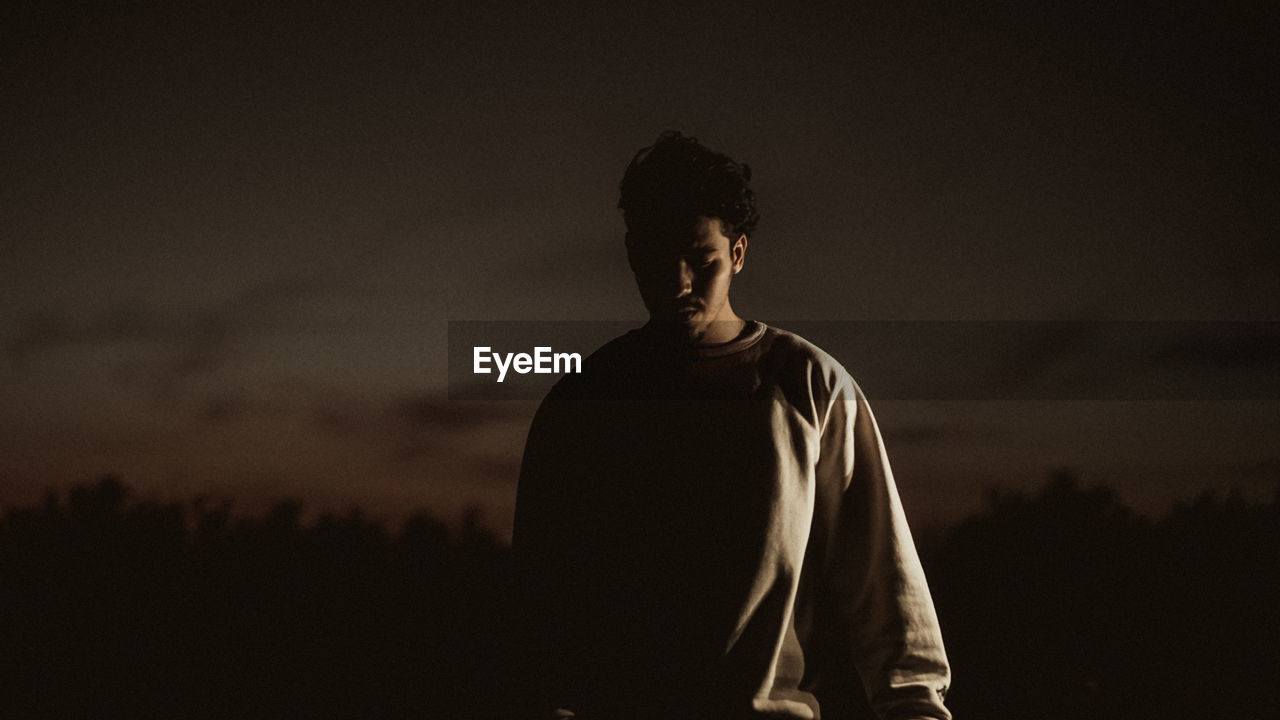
{"x":685,"y":329}
{"x":694,"y":332}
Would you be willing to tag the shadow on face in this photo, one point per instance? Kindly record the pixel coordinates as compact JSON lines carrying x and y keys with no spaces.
{"x":684,"y":269}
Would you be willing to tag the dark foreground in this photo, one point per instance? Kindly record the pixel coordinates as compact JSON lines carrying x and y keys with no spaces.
{"x":1060,"y":604}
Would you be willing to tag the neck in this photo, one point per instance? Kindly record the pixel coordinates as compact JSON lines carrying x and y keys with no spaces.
{"x":725,"y":328}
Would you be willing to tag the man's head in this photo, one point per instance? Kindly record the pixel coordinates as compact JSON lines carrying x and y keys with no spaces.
{"x":689,"y":211}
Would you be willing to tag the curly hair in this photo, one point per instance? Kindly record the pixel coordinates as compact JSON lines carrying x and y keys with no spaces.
{"x":678,"y":178}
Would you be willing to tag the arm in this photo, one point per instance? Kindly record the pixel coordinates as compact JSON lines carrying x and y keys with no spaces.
{"x":870,"y":566}
{"x":539,"y":539}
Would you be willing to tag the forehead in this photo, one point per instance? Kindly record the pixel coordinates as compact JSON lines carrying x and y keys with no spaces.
{"x":698,"y":233}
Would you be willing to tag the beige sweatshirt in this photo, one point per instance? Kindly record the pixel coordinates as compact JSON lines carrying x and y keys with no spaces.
{"x":715,"y":533}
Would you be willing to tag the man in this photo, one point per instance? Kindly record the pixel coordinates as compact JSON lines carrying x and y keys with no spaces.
{"x":706,"y":524}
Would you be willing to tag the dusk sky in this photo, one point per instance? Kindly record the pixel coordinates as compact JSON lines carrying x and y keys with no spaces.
{"x":232,"y":235}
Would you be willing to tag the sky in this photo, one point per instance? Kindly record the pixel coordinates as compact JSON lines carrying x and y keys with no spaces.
{"x":233,"y":235}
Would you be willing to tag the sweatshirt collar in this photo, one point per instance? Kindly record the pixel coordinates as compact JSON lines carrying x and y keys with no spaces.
{"x":750,"y":335}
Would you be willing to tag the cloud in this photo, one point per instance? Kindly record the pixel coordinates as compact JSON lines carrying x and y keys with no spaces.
{"x":435,"y":412}
{"x":1146,"y":360}
{"x":44,"y":329}
{"x":188,"y":331}
{"x":918,"y":433}
{"x":166,"y":348}
{"x":484,"y":437}
{"x":1058,"y":360}
{"x":1223,"y":346}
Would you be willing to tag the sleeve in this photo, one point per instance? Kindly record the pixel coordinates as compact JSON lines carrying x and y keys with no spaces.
{"x":870,"y":567}
{"x":539,"y":543}
{"x":536,"y":492}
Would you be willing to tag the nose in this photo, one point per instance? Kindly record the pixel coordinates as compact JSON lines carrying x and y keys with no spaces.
{"x":665,"y":279}
{"x":682,"y":278}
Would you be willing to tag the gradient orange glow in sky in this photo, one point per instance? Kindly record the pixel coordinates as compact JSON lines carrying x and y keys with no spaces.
{"x":232,"y":235}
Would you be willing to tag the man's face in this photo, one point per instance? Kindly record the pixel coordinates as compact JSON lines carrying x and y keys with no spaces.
{"x":684,"y":270}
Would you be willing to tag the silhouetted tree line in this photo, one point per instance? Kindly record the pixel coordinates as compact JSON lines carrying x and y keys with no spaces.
{"x":1056,"y":604}
{"x":118,"y":609}
{"x":1064,"y":604}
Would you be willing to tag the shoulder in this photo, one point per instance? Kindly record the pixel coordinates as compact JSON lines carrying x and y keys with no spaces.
{"x":618,"y":353}
{"x":790,"y":352}
{"x":809,"y":376}
{"x":601,"y":372}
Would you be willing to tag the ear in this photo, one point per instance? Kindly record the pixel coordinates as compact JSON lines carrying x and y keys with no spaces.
{"x":739,"y":253}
